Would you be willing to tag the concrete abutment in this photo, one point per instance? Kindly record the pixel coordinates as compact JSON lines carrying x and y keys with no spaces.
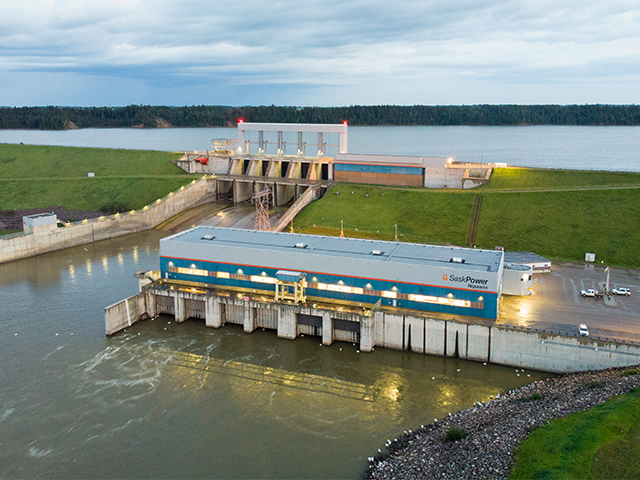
{"x":418,"y":334}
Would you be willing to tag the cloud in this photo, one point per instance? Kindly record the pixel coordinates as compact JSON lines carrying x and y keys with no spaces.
{"x":316,"y":44}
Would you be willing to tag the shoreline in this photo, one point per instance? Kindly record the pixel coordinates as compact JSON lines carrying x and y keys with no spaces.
{"x":495,"y":428}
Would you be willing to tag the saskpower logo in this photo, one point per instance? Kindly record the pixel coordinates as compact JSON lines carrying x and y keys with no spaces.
{"x":472,"y":282}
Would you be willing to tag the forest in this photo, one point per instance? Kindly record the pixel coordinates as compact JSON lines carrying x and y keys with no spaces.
{"x":146,"y":116}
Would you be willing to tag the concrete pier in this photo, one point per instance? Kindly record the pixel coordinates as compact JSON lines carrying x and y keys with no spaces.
{"x":369,"y":327}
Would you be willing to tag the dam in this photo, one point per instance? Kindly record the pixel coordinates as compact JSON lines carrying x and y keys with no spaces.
{"x":321,"y":300}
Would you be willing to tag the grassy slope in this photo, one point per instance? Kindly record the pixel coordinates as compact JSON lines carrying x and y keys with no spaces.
{"x":598,"y":443}
{"x":558,"y":224}
{"x":421,"y":215}
{"x":542,"y":179}
{"x":40,"y":176}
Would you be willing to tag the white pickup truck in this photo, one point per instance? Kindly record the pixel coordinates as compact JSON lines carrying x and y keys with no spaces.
{"x":590,"y":292}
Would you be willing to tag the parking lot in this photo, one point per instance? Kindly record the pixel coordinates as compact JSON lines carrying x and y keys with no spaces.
{"x":556,"y":304}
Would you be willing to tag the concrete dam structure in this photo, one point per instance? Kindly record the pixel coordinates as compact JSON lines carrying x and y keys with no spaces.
{"x":245,"y":165}
{"x":335,"y":301}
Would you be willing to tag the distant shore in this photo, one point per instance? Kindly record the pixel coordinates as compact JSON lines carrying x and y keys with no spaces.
{"x":148,"y":116}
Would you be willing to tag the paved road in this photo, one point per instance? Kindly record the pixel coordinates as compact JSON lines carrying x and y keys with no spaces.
{"x":220,"y":214}
{"x":557,"y":306}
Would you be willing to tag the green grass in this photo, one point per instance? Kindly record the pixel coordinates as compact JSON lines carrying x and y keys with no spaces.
{"x":43,"y":176}
{"x":542,"y":179}
{"x":41,"y":161}
{"x":565,"y":225}
{"x":557,"y":224}
{"x":603,"y":442}
{"x":421,"y":215}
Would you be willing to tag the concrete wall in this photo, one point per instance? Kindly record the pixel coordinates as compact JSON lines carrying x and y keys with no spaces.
{"x":504,"y":346}
{"x":199,"y":192}
{"x":479,"y":342}
{"x":215,"y":164}
{"x":124,"y":313}
{"x":311,"y":194}
{"x":558,"y":353}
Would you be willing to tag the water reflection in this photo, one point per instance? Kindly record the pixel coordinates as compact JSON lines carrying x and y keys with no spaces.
{"x":263,"y":375}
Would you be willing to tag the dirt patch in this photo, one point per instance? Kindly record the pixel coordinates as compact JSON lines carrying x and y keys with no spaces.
{"x":12,"y":219}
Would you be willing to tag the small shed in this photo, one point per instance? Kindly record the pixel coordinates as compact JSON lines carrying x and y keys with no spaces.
{"x":39,"y":223}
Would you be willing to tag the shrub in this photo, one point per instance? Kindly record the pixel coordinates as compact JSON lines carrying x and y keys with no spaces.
{"x":629,"y":371}
{"x":594,"y":384}
{"x":115,"y":207}
{"x":534,"y":396}
{"x":454,"y":434}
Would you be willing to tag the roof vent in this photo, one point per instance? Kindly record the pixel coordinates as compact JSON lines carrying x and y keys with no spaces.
{"x":457,"y":260}
{"x":301,"y":245}
{"x":208,"y":237}
{"x":377,"y":252}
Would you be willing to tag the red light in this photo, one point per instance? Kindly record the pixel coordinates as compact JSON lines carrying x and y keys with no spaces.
{"x":344,"y":123}
{"x":241,"y":120}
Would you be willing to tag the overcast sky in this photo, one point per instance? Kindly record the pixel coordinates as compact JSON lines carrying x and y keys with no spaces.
{"x":324,"y":53}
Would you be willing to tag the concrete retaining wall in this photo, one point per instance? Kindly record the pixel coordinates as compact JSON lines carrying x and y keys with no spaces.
{"x":504,"y":346}
{"x":311,"y":194}
{"x":125,"y":313}
{"x":558,"y":353}
{"x":197,"y":193}
{"x":450,"y":338}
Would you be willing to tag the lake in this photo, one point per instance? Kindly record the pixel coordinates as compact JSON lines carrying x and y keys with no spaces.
{"x":590,"y":148}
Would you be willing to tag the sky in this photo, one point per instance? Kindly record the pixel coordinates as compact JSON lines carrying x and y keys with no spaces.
{"x":318,"y":53}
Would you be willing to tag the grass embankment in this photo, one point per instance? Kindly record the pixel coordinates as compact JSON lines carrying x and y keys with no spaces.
{"x":558,"y":214}
{"x":603,"y":442}
{"x":33,"y":176}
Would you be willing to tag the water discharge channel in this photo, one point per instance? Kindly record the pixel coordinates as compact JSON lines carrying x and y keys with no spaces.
{"x":163,"y":400}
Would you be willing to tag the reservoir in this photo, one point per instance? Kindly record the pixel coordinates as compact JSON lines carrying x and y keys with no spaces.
{"x":545,"y":146}
{"x":167,"y":400}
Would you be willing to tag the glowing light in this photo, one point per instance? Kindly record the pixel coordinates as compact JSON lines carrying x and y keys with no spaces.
{"x":260,"y":279}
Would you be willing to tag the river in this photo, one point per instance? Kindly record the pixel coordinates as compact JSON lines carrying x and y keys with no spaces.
{"x":167,"y":400}
{"x":569,"y":147}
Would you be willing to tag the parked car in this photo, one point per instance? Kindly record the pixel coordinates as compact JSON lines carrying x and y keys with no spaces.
{"x":621,"y":291}
{"x":583,"y":330}
{"x":590,"y":292}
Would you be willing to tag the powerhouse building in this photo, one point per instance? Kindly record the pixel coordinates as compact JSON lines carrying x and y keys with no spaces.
{"x":453,"y":280}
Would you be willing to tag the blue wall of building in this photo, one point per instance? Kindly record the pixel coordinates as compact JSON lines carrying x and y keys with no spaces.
{"x":351,"y":167}
{"x":490,"y":300}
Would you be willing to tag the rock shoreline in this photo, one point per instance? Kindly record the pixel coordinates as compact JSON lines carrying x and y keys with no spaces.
{"x":495,"y":428}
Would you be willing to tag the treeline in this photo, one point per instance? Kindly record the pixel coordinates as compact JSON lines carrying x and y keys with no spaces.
{"x":59,"y":118}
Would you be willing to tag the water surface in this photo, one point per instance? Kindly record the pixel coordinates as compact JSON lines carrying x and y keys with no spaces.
{"x":167,"y":400}
{"x":572,"y":147}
